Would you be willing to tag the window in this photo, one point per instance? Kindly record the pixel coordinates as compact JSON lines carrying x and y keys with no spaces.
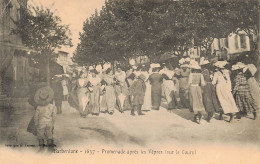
{"x":226,"y":42}
{"x":236,"y":42}
{"x":18,"y":14}
{"x":243,"y":40}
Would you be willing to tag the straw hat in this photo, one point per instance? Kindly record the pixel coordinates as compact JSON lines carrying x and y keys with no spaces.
{"x":181,"y":61}
{"x":237,"y":66}
{"x":251,"y":68}
{"x":43,"y":96}
{"x":106,"y":66}
{"x":90,"y":68}
{"x":203,"y":61}
{"x":134,"y":67}
{"x":99,"y":68}
{"x":185,"y":66}
{"x":221,"y":64}
{"x":155,"y":65}
{"x":194,"y":65}
{"x":187,"y":60}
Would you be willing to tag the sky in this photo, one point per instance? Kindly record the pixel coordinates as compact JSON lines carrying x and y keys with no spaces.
{"x":73,"y":13}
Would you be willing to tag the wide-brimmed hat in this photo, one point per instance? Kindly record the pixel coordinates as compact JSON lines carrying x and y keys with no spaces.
{"x":43,"y":96}
{"x":221,"y":64}
{"x":106,"y":66}
{"x":185,"y":66}
{"x":181,"y":61}
{"x":251,"y":67}
{"x":239,"y":65}
{"x":99,"y":68}
{"x":90,"y":68}
{"x":203,"y":61}
{"x":194,"y":65}
{"x":155,"y":65}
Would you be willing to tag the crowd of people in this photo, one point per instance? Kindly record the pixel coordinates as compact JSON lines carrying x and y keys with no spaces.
{"x":204,"y":87}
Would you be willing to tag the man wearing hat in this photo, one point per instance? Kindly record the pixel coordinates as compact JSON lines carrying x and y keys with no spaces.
{"x":44,"y":116}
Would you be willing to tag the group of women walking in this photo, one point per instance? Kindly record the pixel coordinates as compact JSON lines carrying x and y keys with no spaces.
{"x":203,"y":87}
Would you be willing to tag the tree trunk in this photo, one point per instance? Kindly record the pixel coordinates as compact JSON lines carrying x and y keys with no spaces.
{"x":48,"y":77}
{"x":113,"y":66}
{"x":1,"y":83}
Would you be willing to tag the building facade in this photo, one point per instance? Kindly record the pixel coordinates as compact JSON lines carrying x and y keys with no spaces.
{"x":64,"y":60}
{"x":14,"y":65}
{"x":233,"y":44}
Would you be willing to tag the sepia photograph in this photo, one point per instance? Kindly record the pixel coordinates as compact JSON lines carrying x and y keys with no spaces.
{"x":129,"y":81}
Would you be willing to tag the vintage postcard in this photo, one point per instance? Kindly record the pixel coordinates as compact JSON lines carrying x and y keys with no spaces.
{"x":129,"y":81}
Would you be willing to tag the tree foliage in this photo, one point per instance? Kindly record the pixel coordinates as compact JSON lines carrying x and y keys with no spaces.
{"x":125,"y":28}
{"x":42,"y":31}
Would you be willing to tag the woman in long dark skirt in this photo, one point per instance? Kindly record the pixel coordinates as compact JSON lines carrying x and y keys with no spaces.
{"x":210,"y":100}
{"x":156,"y":83}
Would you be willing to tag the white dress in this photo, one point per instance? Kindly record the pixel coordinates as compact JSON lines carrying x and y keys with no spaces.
{"x":223,"y":89}
{"x":83,"y":96}
{"x":147,"y":97}
{"x":64,"y":87}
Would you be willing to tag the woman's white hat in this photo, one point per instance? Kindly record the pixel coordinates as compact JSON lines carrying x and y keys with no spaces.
{"x":251,"y":67}
{"x":99,"y":68}
{"x":221,"y":64}
{"x":181,"y":61}
{"x":194,"y":65}
{"x":239,"y":65}
{"x":185,"y":66}
{"x":155,"y":65}
{"x":203,"y":61}
{"x":106,"y":66}
{"x":90,"y":68}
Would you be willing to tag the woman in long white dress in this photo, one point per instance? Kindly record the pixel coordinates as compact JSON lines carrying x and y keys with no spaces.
{"x":94,"y":92}
{"x":222,"y":81}
{"x":108,"y":102}
{"x":82,"y":93}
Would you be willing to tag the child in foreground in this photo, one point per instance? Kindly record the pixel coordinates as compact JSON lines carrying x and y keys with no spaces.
{"x":44,"y":117}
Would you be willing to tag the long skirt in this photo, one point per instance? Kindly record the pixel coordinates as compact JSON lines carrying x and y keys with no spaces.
{"x":184,"y":98}
{"x":196,"y":102}
{"x":73,"y":99}
{"x":122,"y":93}
{"x":254,"y":90}
{"x":226,"y":99}
{"x":83,"y":99}
{"x":147,"y":98}
{"x":210,"y":100}
{"x":94,"y":96}
{"x":156,"y":96}
{"x":245,"y":102}
{"x":108,"y":102}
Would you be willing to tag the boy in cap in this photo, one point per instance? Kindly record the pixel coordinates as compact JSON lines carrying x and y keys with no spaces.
{"x":44,"y":116}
